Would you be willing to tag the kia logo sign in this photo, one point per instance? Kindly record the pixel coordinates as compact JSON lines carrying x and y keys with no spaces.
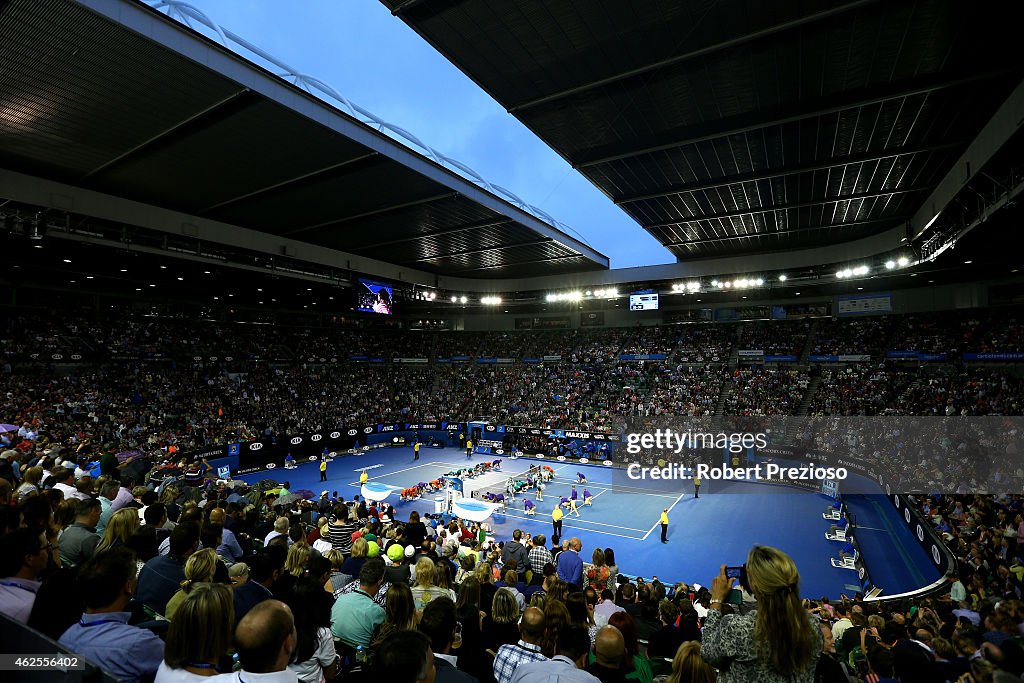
{"x":255,"y":446}
{"x":197,"y":357}
{"x":271,"y":465}
{"x":888,"y":491}
{"x":368,"y":430}
{"x":316,"y":437}
{"x":540,"y":456}
{"x":584,"y":461}
{"x":213,"y":357}
{"x":860,"y":573}
{"x":56,"y":356}
{"x":608,"y":463}
{"x":352,"y":432}
{"x":906,"y":514}
{"x":489,"y":428}
{"x":76,"y":356}
{"x":498,"y":451}
{"x":920,"y":533}
{"x":561,"y":458}
{"x":936,"y":555}
{"x":312,"y":458}
{"x":335,"y":435}
{"x":365,"y":448}
{"x":228,"y":358}
{"x":296,"y":440}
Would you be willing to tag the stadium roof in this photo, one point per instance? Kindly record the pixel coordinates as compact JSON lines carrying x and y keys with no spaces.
{"x":741,"y":127}
{"x":109,"y":101}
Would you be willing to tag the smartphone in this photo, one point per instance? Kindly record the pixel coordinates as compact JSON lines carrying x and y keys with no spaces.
{"x":734,"y":572}
{"x":735,"y":597}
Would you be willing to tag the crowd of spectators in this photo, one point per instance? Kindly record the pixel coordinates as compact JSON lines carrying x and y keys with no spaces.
{"x":860,"y":336}
{"x":775,"y":337}
{"x":760,"y":391}
{"x":301,"y":588}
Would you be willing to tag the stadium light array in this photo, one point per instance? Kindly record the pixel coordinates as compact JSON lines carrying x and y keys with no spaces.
{"x":490,"y":300}
{"x":783,"y":278}
{"x":564,"y":296}
{"x":684,"y":287}
{"x":463,"y":299}
{"x":859,"y":271}
{"x":608,"y":293}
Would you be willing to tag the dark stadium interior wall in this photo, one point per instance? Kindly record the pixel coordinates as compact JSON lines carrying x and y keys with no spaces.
{"x":918,"y":300}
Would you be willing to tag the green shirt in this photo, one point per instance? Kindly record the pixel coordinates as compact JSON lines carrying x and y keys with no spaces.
{"x":354,"y":617}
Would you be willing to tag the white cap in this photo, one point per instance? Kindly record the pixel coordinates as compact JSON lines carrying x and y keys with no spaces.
{"x":409,"y":551}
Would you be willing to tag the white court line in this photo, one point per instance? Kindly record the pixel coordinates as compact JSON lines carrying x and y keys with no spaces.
{"x":659,"y":523}
{"x":414,"y":467}
{"x":519,"y":515}
{"x":869,"y":528}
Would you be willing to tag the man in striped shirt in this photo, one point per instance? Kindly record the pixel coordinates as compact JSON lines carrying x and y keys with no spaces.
{"x":341,"y":529}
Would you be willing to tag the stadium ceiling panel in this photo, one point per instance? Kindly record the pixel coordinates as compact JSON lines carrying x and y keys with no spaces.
{"x":113,"y":96}
{"x":741,"y":127}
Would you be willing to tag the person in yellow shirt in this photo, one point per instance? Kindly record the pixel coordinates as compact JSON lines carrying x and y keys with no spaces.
{"x":556,"y":524}
{"x":469,"y":449}
{"x":664,"y":525}
{"x":416,"y":450}
{"x":696,"y":487}
{"x":323,"y":469}
{"x":363,"y":478}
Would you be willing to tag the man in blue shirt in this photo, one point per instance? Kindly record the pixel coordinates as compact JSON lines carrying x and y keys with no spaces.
{"x":103,"y":635}
{"x":161,"y":577}
{"x":570,"y":566}
{"x":229,"y":547}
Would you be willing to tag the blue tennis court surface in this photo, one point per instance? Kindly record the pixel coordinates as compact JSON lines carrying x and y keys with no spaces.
{"x":718,"y":528}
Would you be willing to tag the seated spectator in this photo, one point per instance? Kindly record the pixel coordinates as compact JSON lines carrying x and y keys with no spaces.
{"x":439,"y":623}
{"x":500,"y":627}
{"x":636,"y":665}
{"x":266,"y":567}
{"x":161,"y":577}
{"x":688,"y":667}
{"x":568,"y":664}
{"x":426,"y":589}
{"x":607,"y":662}
{"x":199,"y":635}
{"x":24,"y":556}
{"x":400,"y":612}
{"x":778,"y":641}
{"x":199,"y":568}
{"x":668,"y":638}
{"x":605,"y":607}
{"x":120,"y":527}
{"x":355,"y":615}
{"x":265,"y":641}
{"x":315,"y":657}
{"x":404,"y":657}
{"x":103,"y":636}
{"x":527,"y":649}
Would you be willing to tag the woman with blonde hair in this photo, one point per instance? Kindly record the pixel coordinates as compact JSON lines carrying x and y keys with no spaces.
{"x":779,"y":641}
{"x":337,"y":580}
{"x":29,"y":483}
{"x":688,"y":667}
{"x":425,"y":588}
{"x":501,"y":627}
{"x":199,"y":635}
{"x":354,"y":564}
{"x":199,"y":568}
{"x":120,"y":527}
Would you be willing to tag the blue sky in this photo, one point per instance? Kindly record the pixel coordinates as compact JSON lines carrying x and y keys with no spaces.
{"x":379,"y":63}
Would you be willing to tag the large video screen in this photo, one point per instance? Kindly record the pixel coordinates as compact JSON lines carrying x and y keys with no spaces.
{"x":643,"y":301}
{"x":374,"y":297}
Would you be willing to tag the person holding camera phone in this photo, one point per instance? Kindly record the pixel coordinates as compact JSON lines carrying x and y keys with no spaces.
{"x":778,"y":641}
